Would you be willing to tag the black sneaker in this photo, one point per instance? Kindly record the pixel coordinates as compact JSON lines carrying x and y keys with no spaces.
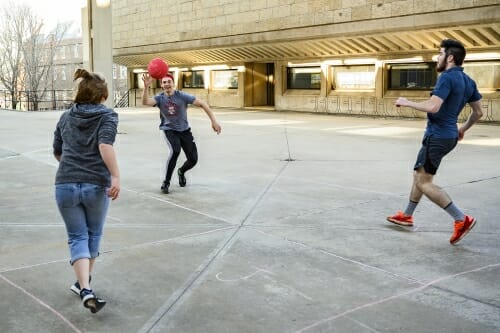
{"x":164,"y":187}
{"x":91,"y":301}
{"x":76,"y":286}
{"x":182,"y":178}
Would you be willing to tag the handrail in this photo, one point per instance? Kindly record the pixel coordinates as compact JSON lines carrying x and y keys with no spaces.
{"x":124,"y":100}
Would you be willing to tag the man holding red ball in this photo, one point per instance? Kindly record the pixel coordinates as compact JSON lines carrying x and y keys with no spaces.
{"x":174,"y":124}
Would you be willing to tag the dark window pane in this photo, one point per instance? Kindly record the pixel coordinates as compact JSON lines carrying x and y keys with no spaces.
{"x":304,"y":78}
{"x":193,"y":79}
{"x":412,"y":76}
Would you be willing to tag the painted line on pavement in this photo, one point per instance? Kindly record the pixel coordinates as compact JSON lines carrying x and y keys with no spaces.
{"x":42,"y":303}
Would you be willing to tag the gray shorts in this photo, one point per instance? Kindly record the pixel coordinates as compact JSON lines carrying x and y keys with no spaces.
{"x":432,"y":152}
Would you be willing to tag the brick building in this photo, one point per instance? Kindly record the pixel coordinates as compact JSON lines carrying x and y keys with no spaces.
{"x":69,"y":57}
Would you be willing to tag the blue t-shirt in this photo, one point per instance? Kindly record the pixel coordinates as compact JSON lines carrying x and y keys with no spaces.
{"x":173,"y":110}
{"x":456,"y":89}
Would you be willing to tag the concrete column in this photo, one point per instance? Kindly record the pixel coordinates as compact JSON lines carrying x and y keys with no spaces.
{"x":279,"y":84}
{"x":98,"y":43}
{"x":325,"y":81}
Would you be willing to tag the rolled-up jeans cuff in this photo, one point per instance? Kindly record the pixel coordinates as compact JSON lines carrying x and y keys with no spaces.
{"x":78,"y":257}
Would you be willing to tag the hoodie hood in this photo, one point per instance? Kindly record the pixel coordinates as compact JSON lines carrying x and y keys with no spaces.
{"x":84,"y":116}
{"x":84,"y":121}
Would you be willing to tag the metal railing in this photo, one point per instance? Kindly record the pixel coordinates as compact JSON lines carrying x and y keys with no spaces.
{"x":122,"y":100}
{"x":344,"y":105}
{"x":36,"y":100}
{"x":50,"y":100}
{"x":384,"y":107}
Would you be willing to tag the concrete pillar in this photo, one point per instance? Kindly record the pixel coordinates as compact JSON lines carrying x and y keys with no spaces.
{"x":98,"y":43}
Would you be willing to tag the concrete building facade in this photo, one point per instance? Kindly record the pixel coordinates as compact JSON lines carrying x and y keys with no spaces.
{"x":330,"y":56}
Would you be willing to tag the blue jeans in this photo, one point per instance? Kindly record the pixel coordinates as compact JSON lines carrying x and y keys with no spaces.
{"x":83,"y":208}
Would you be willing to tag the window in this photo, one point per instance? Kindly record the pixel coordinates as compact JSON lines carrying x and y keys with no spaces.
{"x":63,"y":73}
{"x":123,"y":72}
{"x":61,"y":52}
{"x":360,"y":77}
{"x":303,"y":77}
{"x":194,"y":79}
{"x":226,"y":79}
{"x":412,"y":76}
{"x":76,"y":51}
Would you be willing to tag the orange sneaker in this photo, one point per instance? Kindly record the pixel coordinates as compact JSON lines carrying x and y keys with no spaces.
{"x":401,"y":219}
{"x":462,"y":228}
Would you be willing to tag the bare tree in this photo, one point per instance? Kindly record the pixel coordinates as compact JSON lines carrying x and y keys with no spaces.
{"x":38,"y":55}
{"x":26,"y":53}
{"x":12,"y":33}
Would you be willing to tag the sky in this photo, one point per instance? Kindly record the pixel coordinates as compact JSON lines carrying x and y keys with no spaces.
{"x":54,"y":11}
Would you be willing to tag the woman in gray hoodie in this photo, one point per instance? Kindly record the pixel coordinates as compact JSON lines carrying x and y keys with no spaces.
{"x":87,"y":177}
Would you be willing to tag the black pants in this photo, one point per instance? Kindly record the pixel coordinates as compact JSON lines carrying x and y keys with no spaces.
{"x":177,"y":140}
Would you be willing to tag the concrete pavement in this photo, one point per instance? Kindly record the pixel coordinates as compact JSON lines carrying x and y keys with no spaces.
{"x":281,"y":228}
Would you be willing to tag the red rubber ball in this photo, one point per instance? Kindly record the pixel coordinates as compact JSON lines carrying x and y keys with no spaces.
{"x":157,"y":68}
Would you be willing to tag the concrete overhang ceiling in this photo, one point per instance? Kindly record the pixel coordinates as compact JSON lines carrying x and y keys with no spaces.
{"x":476,"y":38}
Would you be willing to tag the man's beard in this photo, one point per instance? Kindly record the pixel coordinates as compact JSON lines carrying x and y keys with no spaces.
{"x":440,"y":67}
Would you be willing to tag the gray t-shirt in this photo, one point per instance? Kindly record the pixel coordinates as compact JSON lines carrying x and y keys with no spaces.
{"x":173,"y":110}
{"x":78,"y":134}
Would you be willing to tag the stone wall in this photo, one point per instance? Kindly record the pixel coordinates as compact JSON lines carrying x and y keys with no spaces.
{"x":146,"y":22}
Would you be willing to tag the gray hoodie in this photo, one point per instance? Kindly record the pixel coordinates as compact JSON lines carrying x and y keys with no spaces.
{"x":78,"y":134}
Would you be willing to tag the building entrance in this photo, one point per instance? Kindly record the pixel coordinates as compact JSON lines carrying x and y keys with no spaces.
{"x":259,"y":84}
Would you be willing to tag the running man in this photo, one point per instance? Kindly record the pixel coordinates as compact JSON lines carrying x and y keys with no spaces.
{"x":453,"y":90}
{"x":174,"y":124}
